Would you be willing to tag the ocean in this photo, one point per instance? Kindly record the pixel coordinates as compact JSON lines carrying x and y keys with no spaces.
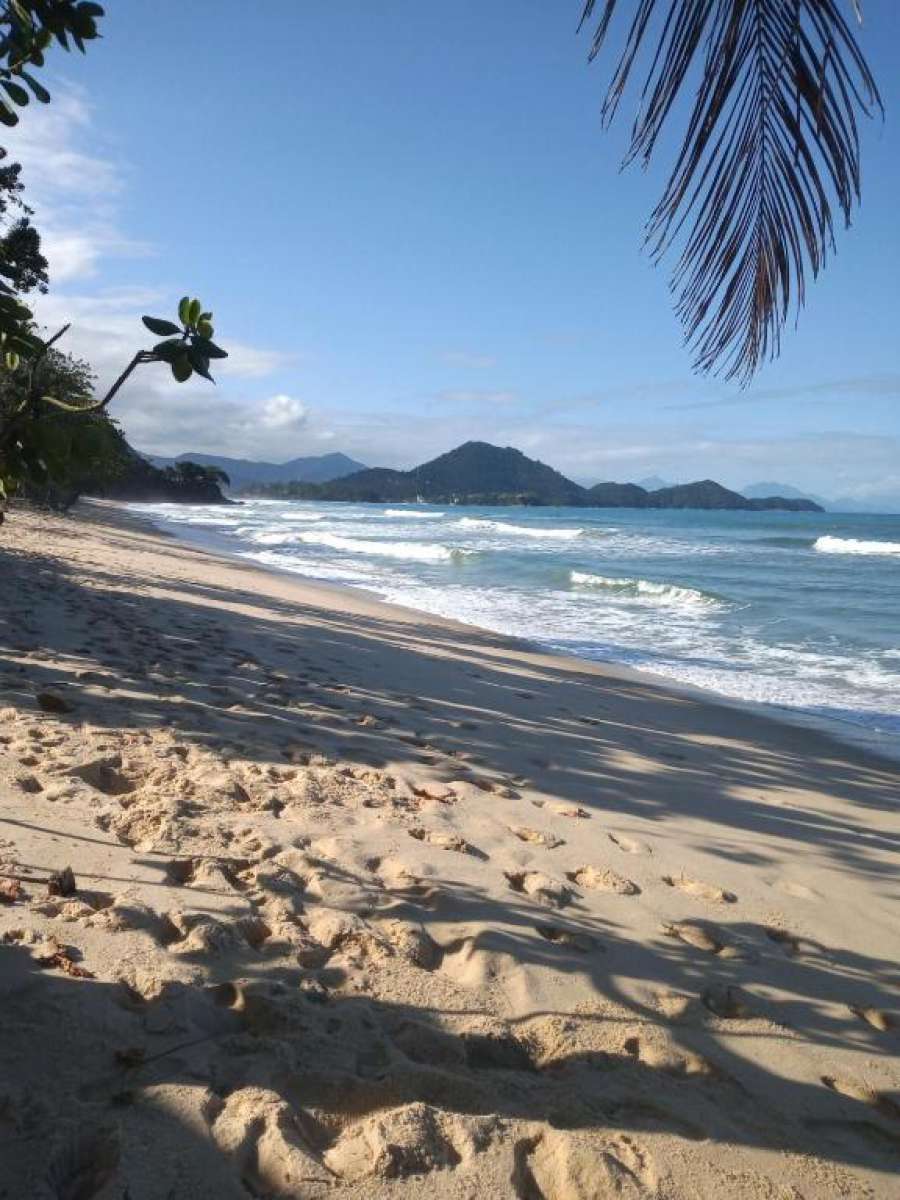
{"x":799,"y":612}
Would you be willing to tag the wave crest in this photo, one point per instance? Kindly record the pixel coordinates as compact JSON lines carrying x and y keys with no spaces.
{"x":837,"y":545}
{"x":403,"y":514}
{"x":524,"y":530}
{"x":415,"y":551}
{"x":647,"y":591}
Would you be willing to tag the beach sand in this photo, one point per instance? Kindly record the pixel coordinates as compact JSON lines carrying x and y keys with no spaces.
{"x":369,"y":904}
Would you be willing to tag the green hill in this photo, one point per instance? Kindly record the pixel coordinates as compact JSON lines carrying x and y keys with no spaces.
{"x":478,"y":473}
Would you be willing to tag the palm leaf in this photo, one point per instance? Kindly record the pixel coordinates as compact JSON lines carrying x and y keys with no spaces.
{"x":771,"y":142}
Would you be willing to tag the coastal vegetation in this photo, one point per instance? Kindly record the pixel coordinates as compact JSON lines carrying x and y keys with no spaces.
{"x":56,"y":437}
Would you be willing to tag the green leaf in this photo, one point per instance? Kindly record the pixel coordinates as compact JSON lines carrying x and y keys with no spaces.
{"x":210,"y":349}
{"x":170,"y":350}
{"x":15,"y":91}
{"x":204,"y":328}
{"x":200,"y":363}
{"x":7,"y":116}
{"x":184,"y":305}
{"x":38,"y":90}
{"x":194,"y":310}
{"x":181,"y":368}
{"x":160,"y":327}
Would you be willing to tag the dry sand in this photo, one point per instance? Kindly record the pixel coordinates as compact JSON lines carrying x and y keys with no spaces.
{"x":369,"y":904}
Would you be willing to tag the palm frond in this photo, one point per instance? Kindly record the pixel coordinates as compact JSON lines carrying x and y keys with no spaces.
{"x":771,"y":142}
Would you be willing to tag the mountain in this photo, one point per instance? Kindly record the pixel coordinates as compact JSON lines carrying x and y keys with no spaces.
{"x":760,"y":491}
{"x":478,"y":467}
{"x":653,"y":483}
{"x":243,"y":471}
{"x":883,"y":503}
{"x":704,"y":494}
{"x":478,"y":473}
{"x":618,"y":495}
{"x":475,"y":473}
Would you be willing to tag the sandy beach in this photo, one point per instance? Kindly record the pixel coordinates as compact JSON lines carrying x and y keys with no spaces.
{"x":370,"y":904}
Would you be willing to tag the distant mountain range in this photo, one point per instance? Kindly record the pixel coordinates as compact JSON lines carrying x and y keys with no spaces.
{"x":756,"y":490}
{"x":243,"y":472}
{"x":478,"y":473}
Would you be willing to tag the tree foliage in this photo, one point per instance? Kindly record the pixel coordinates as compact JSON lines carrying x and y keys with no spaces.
{"x":772,"y":91}
{"x":28,"y":28}
{"x":23,"y":267}
{"x":57,"y":457}
{"x":53,"y":430}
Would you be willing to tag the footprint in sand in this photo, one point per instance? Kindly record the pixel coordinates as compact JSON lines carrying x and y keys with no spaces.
{"x":538,"y":837}
{"x":875,"y":1017}
{"x":628,"y":845}
{"x":559,"y":809}
{"x":854,"y":1090}
{"x":701,"y":891}
{"x":443,"y":841}
{"x":603,"y":879}
{"x":561,"y":1165}
{"x":401,"y":881}
{"x":434,"y":791}
{"x":582,"y":943}
{"x":727,"y":1002}
{"x":700,"y":935}
{"x":540,"y":887}
{"x":665,"y":1056}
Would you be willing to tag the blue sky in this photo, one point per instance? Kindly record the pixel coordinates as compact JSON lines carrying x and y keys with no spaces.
{"x":413,"y":231}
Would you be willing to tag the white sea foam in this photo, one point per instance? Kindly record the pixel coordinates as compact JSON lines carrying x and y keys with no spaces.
{"x":523,"y":530}
{"x":837,"y":545}
{"x":269,"y":537}
{"x":404,"y":514}
{"x":415,"y":551}
{"x":310,"y":568}
{"x":648,"y":591}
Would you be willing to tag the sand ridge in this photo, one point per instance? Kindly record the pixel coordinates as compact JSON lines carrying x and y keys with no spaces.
{"x":368,"y":904}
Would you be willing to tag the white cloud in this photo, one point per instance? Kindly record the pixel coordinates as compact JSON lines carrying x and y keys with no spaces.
{"x":74,"y":191}
{"x":282,"y":412}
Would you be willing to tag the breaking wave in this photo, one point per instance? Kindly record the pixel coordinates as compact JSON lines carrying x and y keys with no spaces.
{"x":646,"y":590}
{"x":413,"y":551}
{"x":404,"y":514}
{"x":524,"y":530}
{"x":837,"y":545}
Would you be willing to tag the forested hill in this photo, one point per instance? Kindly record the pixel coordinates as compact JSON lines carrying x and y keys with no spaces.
{"x":478,"y":473}
{"x":246,"y":473}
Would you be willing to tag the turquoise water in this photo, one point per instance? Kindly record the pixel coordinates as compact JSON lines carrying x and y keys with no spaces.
{"x":794,"y":610}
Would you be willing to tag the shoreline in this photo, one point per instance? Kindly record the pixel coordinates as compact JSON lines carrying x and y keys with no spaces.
{"x":366,"y":903}
{"x":845,"y":732}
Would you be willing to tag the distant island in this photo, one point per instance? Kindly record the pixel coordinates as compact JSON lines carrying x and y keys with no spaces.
{"x":481,"y":474}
